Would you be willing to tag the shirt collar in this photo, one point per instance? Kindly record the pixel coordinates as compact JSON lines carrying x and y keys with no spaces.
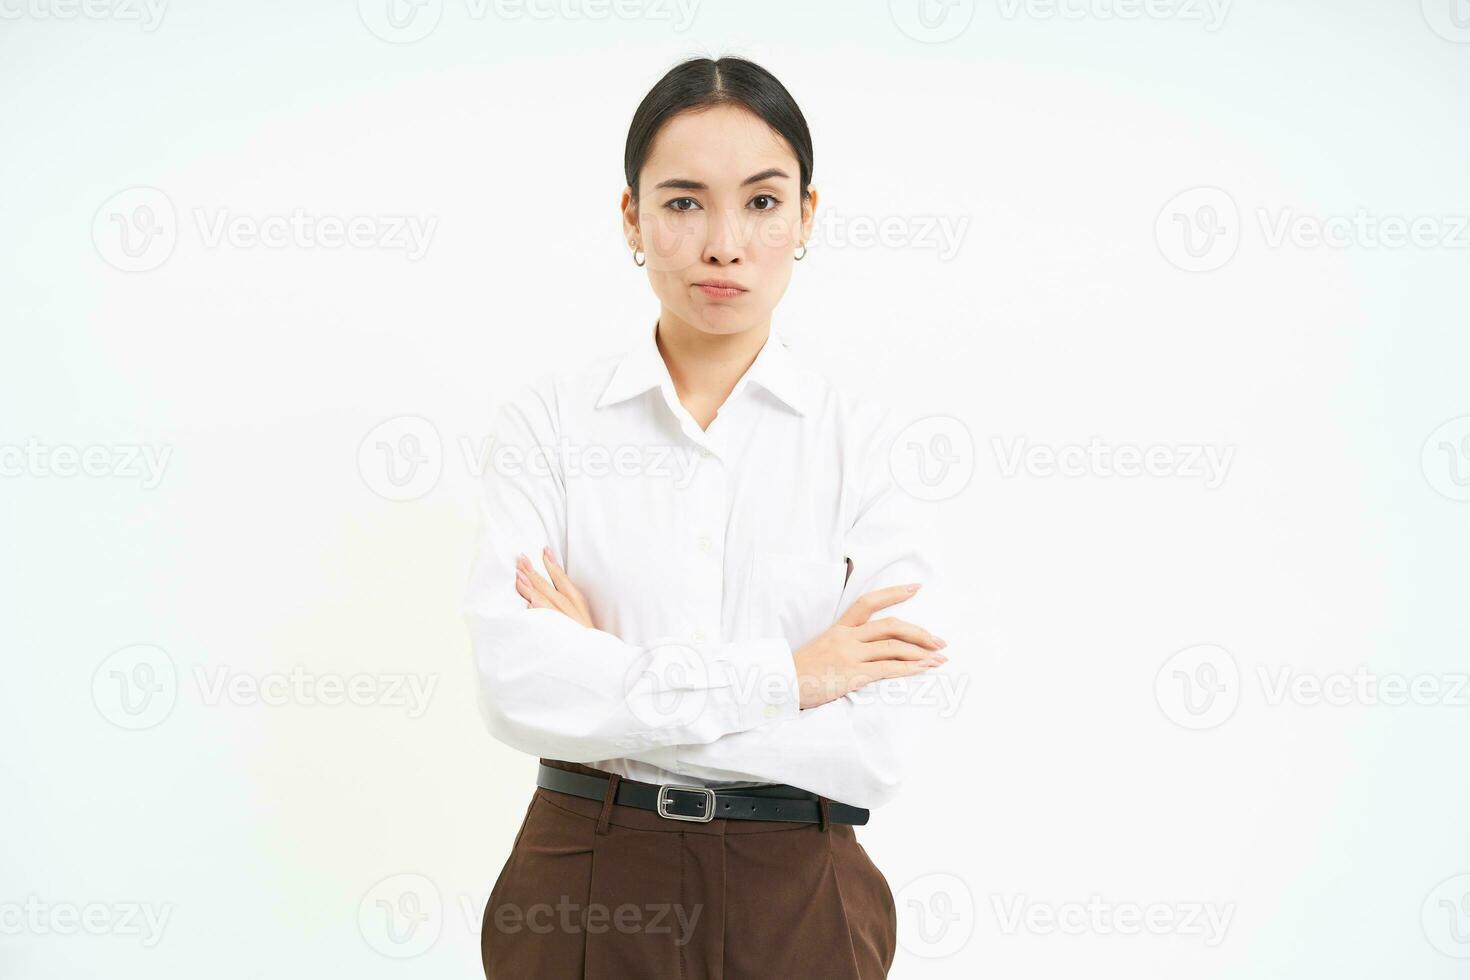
{"x":643,"y":367}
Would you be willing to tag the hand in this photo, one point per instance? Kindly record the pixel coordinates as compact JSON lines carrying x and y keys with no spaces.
{"x":558,"y":594}
{"x":853,"y":651}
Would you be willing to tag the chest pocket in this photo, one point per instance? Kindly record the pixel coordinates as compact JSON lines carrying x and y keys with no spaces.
{"x":794,"y":596}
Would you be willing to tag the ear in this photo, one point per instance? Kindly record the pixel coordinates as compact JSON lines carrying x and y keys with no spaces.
{"x":629,"y":213}
{"x":808,"y":214}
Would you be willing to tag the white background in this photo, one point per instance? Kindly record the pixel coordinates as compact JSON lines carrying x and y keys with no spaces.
{"x":1054,"y":144}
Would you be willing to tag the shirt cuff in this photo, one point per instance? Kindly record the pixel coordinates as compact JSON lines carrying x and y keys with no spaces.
{"x":762,"y":682}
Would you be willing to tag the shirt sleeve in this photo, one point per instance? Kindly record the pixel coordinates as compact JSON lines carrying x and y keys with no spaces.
{"x":854,"y":749}
{"x":549,"y":686}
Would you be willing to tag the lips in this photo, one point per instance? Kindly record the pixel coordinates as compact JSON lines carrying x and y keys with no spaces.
{"x":721,"y":292}
{"x":721,"y":284}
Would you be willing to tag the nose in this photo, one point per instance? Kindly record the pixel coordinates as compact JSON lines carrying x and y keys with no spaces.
{"x":724,"y":242}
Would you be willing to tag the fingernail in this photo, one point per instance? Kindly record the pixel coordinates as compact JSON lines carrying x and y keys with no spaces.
{"x":549,"y":556}
{"x":940,"y":641}
{"x":914,"y":587}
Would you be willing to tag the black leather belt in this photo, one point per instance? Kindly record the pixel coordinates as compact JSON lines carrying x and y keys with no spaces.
{"x":677,"y":801}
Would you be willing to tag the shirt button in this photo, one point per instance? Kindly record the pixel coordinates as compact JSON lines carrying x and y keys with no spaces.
{"x":770,"y":711}
{"x":703,"y":542}
{"x":699,"y":636}
{"x":704,"y":452}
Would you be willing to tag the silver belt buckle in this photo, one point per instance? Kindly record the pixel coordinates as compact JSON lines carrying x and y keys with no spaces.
{"x":664,"y":802}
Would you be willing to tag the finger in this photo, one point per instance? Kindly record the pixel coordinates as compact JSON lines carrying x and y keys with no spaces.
{"x":870,"y":602}
{"x":527,"y":591}
{"x":881,"y":670}
{"x":564,"y":583}
{"x":548,"y":591}
{"x":891,"y":649}
{"x":902,"y":629}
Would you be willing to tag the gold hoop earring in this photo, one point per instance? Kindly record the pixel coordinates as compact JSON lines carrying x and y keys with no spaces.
{"x":636,"y":250}
{"x":803,"y":252}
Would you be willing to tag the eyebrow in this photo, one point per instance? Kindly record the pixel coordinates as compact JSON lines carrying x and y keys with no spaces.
{"x":679,"y":183}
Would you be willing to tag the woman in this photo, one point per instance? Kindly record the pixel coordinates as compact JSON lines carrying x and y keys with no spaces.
{"x":699,"y":672}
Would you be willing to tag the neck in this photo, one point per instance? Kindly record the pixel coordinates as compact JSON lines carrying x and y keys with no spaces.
{"x":705,"y":366}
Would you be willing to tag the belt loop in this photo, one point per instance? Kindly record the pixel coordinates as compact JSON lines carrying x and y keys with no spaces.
{"x":607,"y":802}
{"x":823,"y":820}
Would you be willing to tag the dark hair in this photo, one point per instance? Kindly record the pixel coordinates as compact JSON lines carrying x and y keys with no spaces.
{"x":702,"y":83}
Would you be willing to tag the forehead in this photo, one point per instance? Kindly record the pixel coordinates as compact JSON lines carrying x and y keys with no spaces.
{"x":721,"y":145}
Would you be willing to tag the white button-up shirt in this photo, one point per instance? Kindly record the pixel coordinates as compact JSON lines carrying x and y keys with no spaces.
{"x":707,"y":556}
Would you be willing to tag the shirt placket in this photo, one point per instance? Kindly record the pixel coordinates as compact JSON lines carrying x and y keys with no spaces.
{"x":706,"y":519}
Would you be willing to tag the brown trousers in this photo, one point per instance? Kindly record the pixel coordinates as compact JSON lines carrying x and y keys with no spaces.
{"x":600,"y":891}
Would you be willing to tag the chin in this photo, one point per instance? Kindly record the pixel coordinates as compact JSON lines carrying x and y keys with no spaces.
{"x":719,"y":319}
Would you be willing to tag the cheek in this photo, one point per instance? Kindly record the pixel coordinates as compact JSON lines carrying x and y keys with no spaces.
{"x":772,"y":249}
{"x":775,"y":234}
{"x":775,"y":275}
{"x":672,"y":241}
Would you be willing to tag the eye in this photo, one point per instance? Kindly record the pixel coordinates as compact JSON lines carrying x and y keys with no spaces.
{"x":775,"y":201}
{"x":673,"y":205}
